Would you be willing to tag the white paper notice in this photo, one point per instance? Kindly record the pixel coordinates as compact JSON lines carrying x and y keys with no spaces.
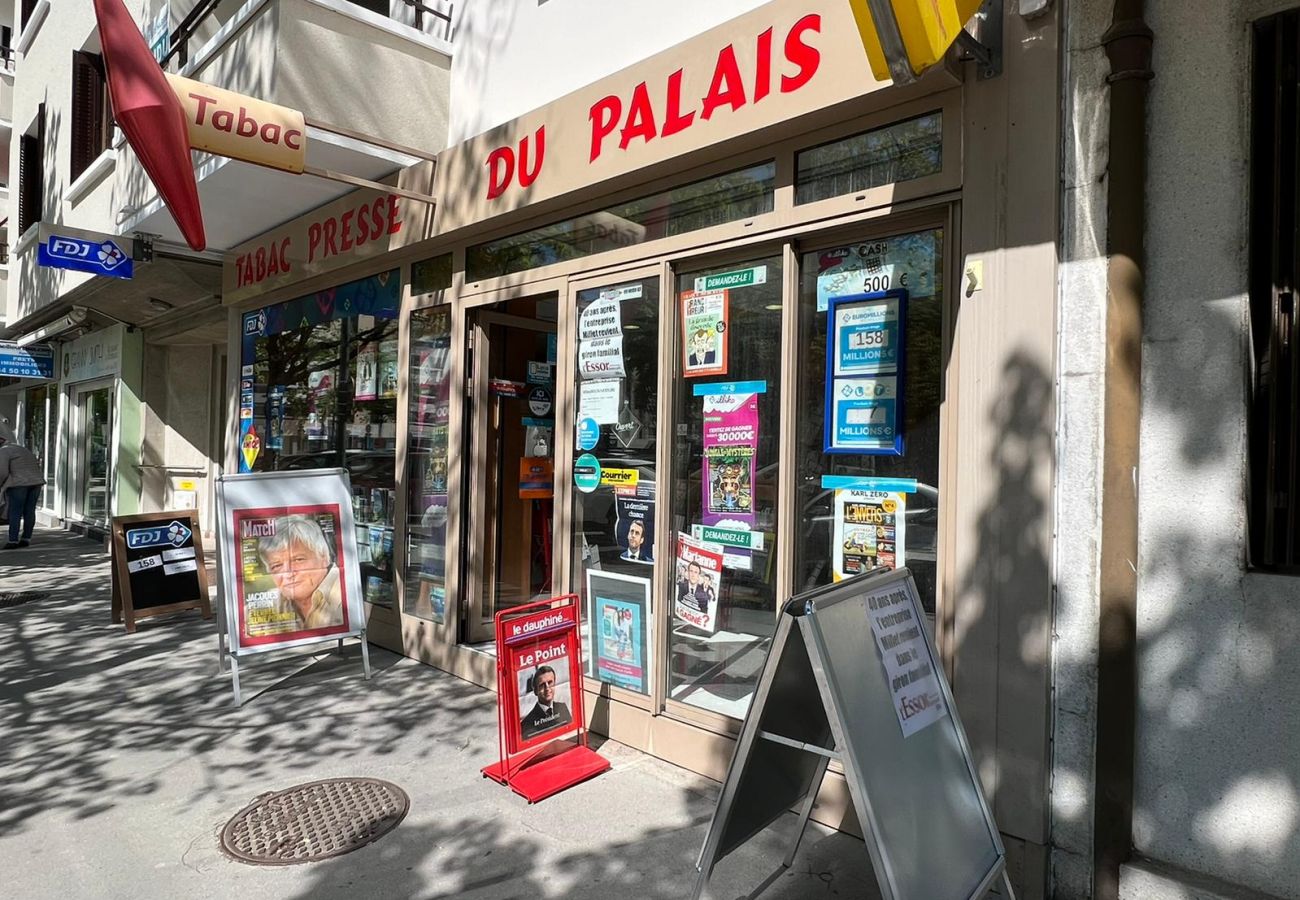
{"x":601,"y":357}
{"x":601,"y":319}
{"x":175,"y":568}
{"x":599,"y":400}
{"x":179,"y":553}
{"x":897,"y":625}
{"x":139,"y":565}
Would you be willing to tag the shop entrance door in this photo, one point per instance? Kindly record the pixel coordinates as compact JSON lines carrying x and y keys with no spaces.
{"x":93,"y":464}
{"x":511,"y":436}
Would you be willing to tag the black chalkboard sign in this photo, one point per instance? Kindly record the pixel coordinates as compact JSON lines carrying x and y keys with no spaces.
{"x":158,"y":566}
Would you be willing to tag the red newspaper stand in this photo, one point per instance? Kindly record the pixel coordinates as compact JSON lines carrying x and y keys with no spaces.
{"x":540,"y":724}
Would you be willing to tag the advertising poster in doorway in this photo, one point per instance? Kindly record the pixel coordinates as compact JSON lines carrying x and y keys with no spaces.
{"x":367,"y":374}
{"x":288,"y":580}
{"x":704,"y":333}
{"x":619,"y":612}
{"x":699,"y":582}
{"x":634,"y":527}
{"x":870,"y":532}
{"x":730,"y":464}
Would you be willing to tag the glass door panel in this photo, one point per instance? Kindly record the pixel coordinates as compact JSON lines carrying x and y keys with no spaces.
{"x":95,"y":408}
{"x":846,"y":530}
{"x":724,"y":494}
{"x":512,"y":424}
{"x":614,"y":502}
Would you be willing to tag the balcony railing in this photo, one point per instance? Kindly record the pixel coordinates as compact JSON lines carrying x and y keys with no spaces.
{"x":193,"y":21}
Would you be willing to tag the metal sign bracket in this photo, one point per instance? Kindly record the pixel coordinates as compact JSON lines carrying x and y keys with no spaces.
{"x":981,"y":40}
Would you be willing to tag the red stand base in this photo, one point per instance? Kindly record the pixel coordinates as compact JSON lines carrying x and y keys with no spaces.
{"x":547,"y":770}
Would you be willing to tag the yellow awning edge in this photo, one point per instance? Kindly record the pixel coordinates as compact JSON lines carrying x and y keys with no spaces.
{"x":928,"y":28}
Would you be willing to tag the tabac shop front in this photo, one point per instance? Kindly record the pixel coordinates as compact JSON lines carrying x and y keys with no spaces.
{"x":618,"y":336}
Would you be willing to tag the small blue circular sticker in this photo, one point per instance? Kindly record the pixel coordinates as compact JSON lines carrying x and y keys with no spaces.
{"x":588,"y":433}
{"x":586,"y":473}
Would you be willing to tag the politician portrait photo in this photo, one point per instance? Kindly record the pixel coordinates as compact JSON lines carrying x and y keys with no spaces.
{"x":544,"y":699}
{"x":298,"y":558}
{"x":637,"y":542}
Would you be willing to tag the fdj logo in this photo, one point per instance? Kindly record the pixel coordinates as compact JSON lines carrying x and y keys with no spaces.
{"x":175,"y":534}
{"x":255,"y":323}
{"x":108,"y":255}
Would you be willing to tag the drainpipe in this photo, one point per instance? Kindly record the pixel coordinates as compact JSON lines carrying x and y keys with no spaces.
{"x":1128,"y":47}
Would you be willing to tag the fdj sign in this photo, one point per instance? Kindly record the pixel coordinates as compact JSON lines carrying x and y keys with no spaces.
{"x":176,"y":534}
{"x":82,"y":251}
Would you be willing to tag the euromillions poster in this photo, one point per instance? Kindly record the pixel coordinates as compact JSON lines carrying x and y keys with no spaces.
{"x":730,"y":466}
{"x":870,"y":532}
{"x":619,"y":612}
{"x":288,"y":576}
{"x":699,"y":583}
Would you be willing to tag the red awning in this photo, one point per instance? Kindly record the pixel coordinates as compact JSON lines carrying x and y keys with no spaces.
{"x":148,"y":112}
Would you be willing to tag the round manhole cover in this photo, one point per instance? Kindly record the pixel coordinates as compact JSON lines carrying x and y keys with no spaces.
{"x":18,"y":598}
{"x":314,"y":821}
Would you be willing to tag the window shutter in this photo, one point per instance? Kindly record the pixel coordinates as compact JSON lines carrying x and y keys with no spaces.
{"x":87,"y":112}
{"x":31,"y":174}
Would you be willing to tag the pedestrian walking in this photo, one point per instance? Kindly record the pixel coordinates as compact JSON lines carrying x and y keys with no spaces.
{"x":21,"y":480}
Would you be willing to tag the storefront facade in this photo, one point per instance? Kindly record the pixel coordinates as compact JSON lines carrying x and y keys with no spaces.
{"x":614,"y":333}
{"x":85,"y":428}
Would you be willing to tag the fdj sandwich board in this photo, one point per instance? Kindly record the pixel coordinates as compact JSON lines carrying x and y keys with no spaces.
{"x":158,"y":566}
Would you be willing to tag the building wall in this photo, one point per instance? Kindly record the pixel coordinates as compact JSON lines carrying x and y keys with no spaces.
{"x":513,"y":56}
{"x":44,"y":75}
{"x":1218,"y":775}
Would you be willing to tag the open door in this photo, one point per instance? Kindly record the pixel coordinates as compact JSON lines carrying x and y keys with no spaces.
{"x":510,"y":452}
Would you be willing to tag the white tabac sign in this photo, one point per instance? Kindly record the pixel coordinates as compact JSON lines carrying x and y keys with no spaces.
{"x":242,"y":127}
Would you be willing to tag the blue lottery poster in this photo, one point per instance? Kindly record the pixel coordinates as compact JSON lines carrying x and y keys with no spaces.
{"x":618,"y":612}
{"x":864,"y":373}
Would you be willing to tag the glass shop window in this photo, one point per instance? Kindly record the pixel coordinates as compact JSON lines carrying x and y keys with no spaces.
{"x":868,"y":483}
{"x":427,"y":463}
{"x":737,"y":195}
{"x":897,"y":152}
{"x":726,"y":435}
{"x":615,"y":498}
{"x":318,"y":389}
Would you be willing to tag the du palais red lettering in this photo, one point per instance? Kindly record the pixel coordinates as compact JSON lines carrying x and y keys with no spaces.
{"x":326,"y":237}
{"x":662,"y":111}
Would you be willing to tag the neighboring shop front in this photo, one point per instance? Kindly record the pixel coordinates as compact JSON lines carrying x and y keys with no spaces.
{"x":635,"y":364}
{"x":92,"y":424}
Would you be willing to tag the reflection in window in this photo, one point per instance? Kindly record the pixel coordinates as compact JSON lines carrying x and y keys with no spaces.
{"x":712,"y":201}
{"x":433,"y":274}
{"x":427,"y":462}
{"x":726,"y":442}
{"x":912,"y":262}
{"x":613,"y":522}
{"x":898,"y":152}
{"x":322,"y":393}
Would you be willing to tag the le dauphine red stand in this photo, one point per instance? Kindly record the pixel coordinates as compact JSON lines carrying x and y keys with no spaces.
{"x":541,"y":730}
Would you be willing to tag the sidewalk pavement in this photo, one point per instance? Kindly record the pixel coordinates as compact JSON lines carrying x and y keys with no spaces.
{"x":122,"y":756}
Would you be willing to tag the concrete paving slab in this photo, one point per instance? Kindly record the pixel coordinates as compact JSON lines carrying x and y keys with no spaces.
{"x":123,"y":756}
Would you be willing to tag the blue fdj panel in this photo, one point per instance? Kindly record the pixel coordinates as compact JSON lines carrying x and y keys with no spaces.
{"x":98,"y":257}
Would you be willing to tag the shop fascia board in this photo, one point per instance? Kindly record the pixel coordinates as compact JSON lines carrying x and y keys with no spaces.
{"x":578,"y":163}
